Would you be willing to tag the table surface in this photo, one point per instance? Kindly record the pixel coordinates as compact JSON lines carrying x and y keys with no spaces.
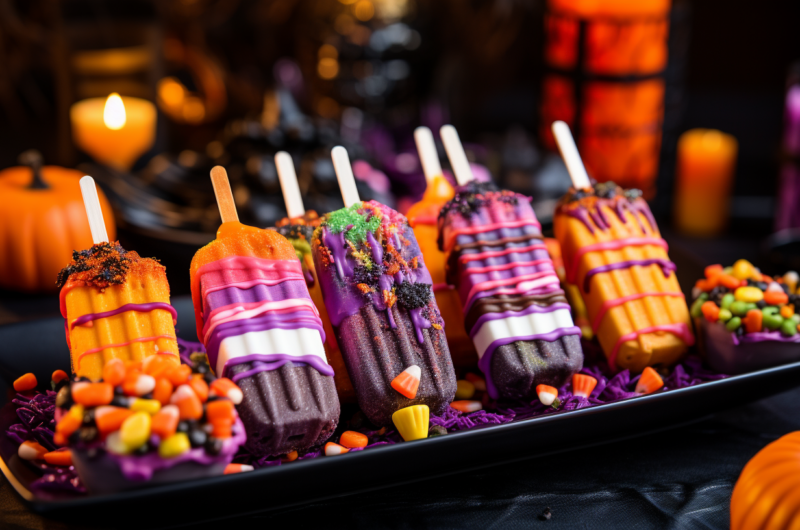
{"x":679,"y":478}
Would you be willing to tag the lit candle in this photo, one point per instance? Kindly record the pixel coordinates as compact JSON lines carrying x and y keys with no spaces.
{"x":114,"y":131}
{"x":706,"y":163}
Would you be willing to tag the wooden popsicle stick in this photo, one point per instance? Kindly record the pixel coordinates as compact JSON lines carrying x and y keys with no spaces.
{"x":93,"y":211}
{"x":456,"y":155}
{"x":289,"y":186}
{"x":572,"y":159}
{"x":344,"y":174}
{"x":428,"y":155}
{"x":222,"y":189}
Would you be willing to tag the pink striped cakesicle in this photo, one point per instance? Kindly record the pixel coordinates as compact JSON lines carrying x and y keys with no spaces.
{"x":261,"y":329}
{"x":514,"y":308}
{"x":614,"y":253}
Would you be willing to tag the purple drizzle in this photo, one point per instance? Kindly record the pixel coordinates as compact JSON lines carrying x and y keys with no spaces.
{"x":139,"y":308}
{"x":273,"y":361}
{"x":666,"y":267}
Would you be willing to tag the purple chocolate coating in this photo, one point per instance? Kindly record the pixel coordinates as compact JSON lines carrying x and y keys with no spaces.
{"x":725,"y":354}
{"x":517,"y":368}
{"x":291,"y":408}
{"x":375,"y":354}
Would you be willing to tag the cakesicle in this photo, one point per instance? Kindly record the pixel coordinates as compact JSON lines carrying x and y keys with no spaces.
{"x":377,"y":290}
{"x":614,"y":253}
{"x":514,"y":308}
{"x":422,"y":217}
{"x":261,"y":329}
{"x":115,"y":304}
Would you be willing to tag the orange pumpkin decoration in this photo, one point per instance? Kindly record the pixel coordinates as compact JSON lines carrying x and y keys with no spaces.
{"x":767,"y":494}
{"x":42,"y":220}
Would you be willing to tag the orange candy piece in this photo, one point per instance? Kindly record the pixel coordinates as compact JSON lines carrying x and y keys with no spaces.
{"x":200,"y":387}
{"x":649,"y":382}
{"x":710,"y":311}
{"x":219,"y":409}
{"x":787,"y":311}
{"x":178,"y":375}
{"x":25,"y":383}
{"x":109,"y":419}
{"x":58,"y":376}
{"x":290,"y":457}
{"x":114,"y":372}
{"x":775,"y":297}
{"x":731,"y":282}
{"x":59,"y":439}
{"x":163,"y":390}
{"x":157,"y":365}
{"x":92,"y":394}
{"x":165,"y":422}
{"x":351,"y":439}
{"x":59,"y":457}
{"x":70,"y":422}
{"x":407,"y":383}
{"x":224,"y":387}
{"x":712,"y":271}
{"x":583,"y":385}
{"x":753,"y":321}
{"x":188,"y":403}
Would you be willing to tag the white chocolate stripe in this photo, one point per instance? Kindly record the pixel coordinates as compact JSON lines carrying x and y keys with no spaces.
{"x":290,"y":342}
{"x":521,"y":326}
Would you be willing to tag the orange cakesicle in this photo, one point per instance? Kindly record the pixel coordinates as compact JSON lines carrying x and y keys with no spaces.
{"x":614,"y":253}
{"x":116,"y":306}
{"x":422,"y":217}
{"x":298,"y":231}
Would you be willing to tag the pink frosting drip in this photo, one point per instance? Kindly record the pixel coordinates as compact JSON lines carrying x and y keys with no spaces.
{"x":245,"y":270}
{"x":523,"y":283}
{"x":572,"y":265}
{"x":681,"y":330}
{"x":464,"y":258}
{"x":609,"y":304}
{"x":253,"y":309}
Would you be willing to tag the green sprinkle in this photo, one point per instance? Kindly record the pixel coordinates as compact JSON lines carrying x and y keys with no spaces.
{"x":788,"y":327}
{"x":733,"y":324}
{"x":339,"y":220}
{"x":739,"y":308}
{"x":725,"y":315}
{"x":727,"y":300}
{"x":695,"y":311}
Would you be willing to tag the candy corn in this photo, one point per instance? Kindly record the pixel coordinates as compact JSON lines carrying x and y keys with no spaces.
{"x":583,"y":385}
{"x":352,"y":439}
{"x":224,"y":387}
{"x":548,"y":395}
{"x":30,"y":450}
{"x":25,"y":383}
{"x":332,"y":449}
{"x":59,"y":457}
{"x":467,"y":406}
{"x":230,"y":469}
{"x":412,"y":422}
{"x":649,"y":382}
{"x":407,"y":382}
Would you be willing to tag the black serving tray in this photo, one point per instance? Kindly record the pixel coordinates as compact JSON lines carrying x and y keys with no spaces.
{"x":39,"y":347}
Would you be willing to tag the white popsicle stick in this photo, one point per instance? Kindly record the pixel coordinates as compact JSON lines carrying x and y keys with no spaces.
{"x":456,"y":155}
{"x":572,"y":159}
{"x":344,"y":174}
{"x":93,"y":211}
{"x":288,"y":178}
{"x":427,"y":153}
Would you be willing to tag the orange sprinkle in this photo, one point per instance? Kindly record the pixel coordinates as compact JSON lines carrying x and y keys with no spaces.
{"x":58,"y":376}
{"x":787,"y":311}
{"x":59,"y":457}
{"x":753,"y":321}
{"x":713,"y":270}
{"x":351,"y":439}
{"x":25,"y":383}
{"x":163,"y":390}
{"x":114,"y":372}
{"x":290,"y":457}
{"x":776,"y":297}
{"x":93,"y":394}
{"x":178,"y":375}
{"x":200,"y":387}
{"x":711,"y":311}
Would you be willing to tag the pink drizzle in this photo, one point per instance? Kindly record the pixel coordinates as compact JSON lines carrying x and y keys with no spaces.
{"x":471,"y":230}
{"x":506,"y":266}
{"x":124,"y":344}
{"x":225,"y":314}
{"x":222,"y":273}
{"x":572,"y":267}
{"x":463,"y":258}
{"x":609,"y":304}
{"x":524,"y":283}
{"x":681,"y":330}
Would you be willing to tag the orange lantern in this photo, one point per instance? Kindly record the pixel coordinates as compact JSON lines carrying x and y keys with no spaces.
{"x":42,"y":220}
{"x":606,"y":63}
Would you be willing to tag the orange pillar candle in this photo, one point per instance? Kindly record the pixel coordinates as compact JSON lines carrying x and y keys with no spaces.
{"x":115,"y":130}
{"x":706,"y":163}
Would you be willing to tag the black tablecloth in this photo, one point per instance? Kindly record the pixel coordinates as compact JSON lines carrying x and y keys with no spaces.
{"x":679,"y":478}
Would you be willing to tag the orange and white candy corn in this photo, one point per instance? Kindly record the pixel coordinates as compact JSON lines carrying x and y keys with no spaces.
{"x":230,"y":469}
{"x":548,"y":395}
{"x":467,"y":406}
{"x":582,"y":385}
{"x":332,"y":449}
{"x":30,"y":450}
{"x":407,"y":383}
{"x":649,"y":382}
{"x":224,"y":387}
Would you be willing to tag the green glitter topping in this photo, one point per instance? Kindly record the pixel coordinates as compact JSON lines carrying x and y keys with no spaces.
{"x":339,"y":220}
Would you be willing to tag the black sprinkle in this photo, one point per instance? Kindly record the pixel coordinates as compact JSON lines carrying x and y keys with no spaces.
{"x":413,"y":295}
{"x":369,"y":276}
{"x":296,"y":231}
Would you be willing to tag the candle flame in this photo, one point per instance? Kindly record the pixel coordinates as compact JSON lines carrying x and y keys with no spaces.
{"x":114,"y":112}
